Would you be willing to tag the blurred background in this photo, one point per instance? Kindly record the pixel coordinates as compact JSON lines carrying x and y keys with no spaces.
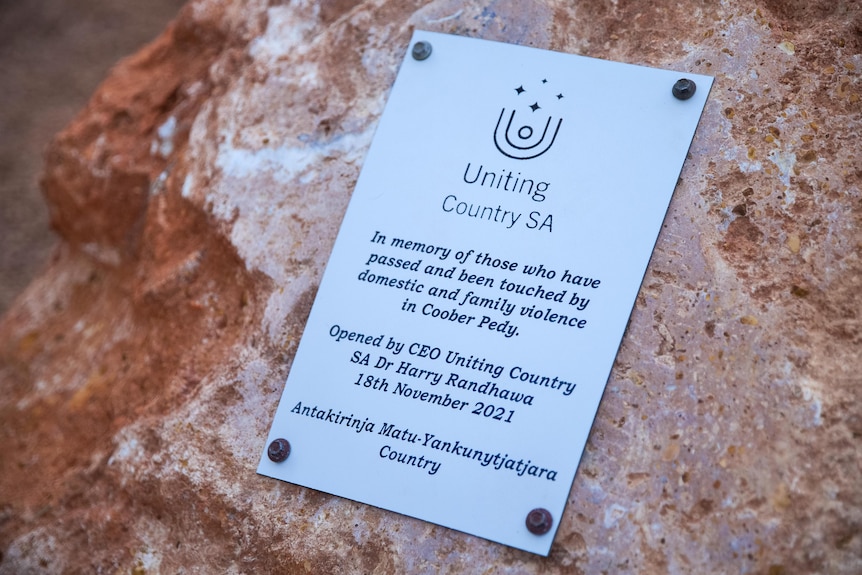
{"x":53,"y":54}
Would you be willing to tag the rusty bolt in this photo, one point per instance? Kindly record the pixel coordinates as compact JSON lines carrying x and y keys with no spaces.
{"x":421,"y":50}
{"x":278,"y":450}
{"x":684,"y":89}
{"x":539,"y":521}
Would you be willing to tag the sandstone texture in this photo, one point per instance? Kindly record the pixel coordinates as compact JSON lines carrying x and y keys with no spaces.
{"x":198,"y":196}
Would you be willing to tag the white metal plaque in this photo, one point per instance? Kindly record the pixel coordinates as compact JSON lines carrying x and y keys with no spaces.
{"x":480,"y":284}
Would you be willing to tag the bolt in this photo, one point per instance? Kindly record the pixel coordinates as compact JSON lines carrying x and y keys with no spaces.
{"x":421,"y":50}
{"x":278,"y":450}
{"x":684,"y":89}
{"x":539,"y":521}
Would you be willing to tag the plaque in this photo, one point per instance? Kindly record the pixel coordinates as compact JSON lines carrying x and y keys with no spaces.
{"x":480,"y":284}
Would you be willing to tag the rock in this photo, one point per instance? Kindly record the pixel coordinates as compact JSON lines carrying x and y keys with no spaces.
{"x":198,"y":196}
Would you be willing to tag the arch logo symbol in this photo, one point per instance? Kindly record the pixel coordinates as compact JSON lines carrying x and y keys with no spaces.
{"x":526,"y":131}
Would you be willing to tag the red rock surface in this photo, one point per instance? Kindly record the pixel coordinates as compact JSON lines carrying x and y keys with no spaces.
{"x":53,"y":54}
{"x":198,"y":196}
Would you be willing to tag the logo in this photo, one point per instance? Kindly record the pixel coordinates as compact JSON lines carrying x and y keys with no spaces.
{"x":524,"y":132}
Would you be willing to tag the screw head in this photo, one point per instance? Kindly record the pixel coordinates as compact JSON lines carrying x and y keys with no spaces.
{"x":539,"y":521}
{"x":421,"y":50}
{"x":278,"y":450}
{"x":684,"y":89}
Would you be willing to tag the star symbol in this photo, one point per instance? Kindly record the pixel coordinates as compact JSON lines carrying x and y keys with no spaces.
{"x":535,"y":106}
{"x":520,"y":89}
{"x":544,"y":81}
{"x":559,"y":96}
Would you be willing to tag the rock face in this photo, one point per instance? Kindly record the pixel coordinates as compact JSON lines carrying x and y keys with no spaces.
{"x":198,"y":196}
